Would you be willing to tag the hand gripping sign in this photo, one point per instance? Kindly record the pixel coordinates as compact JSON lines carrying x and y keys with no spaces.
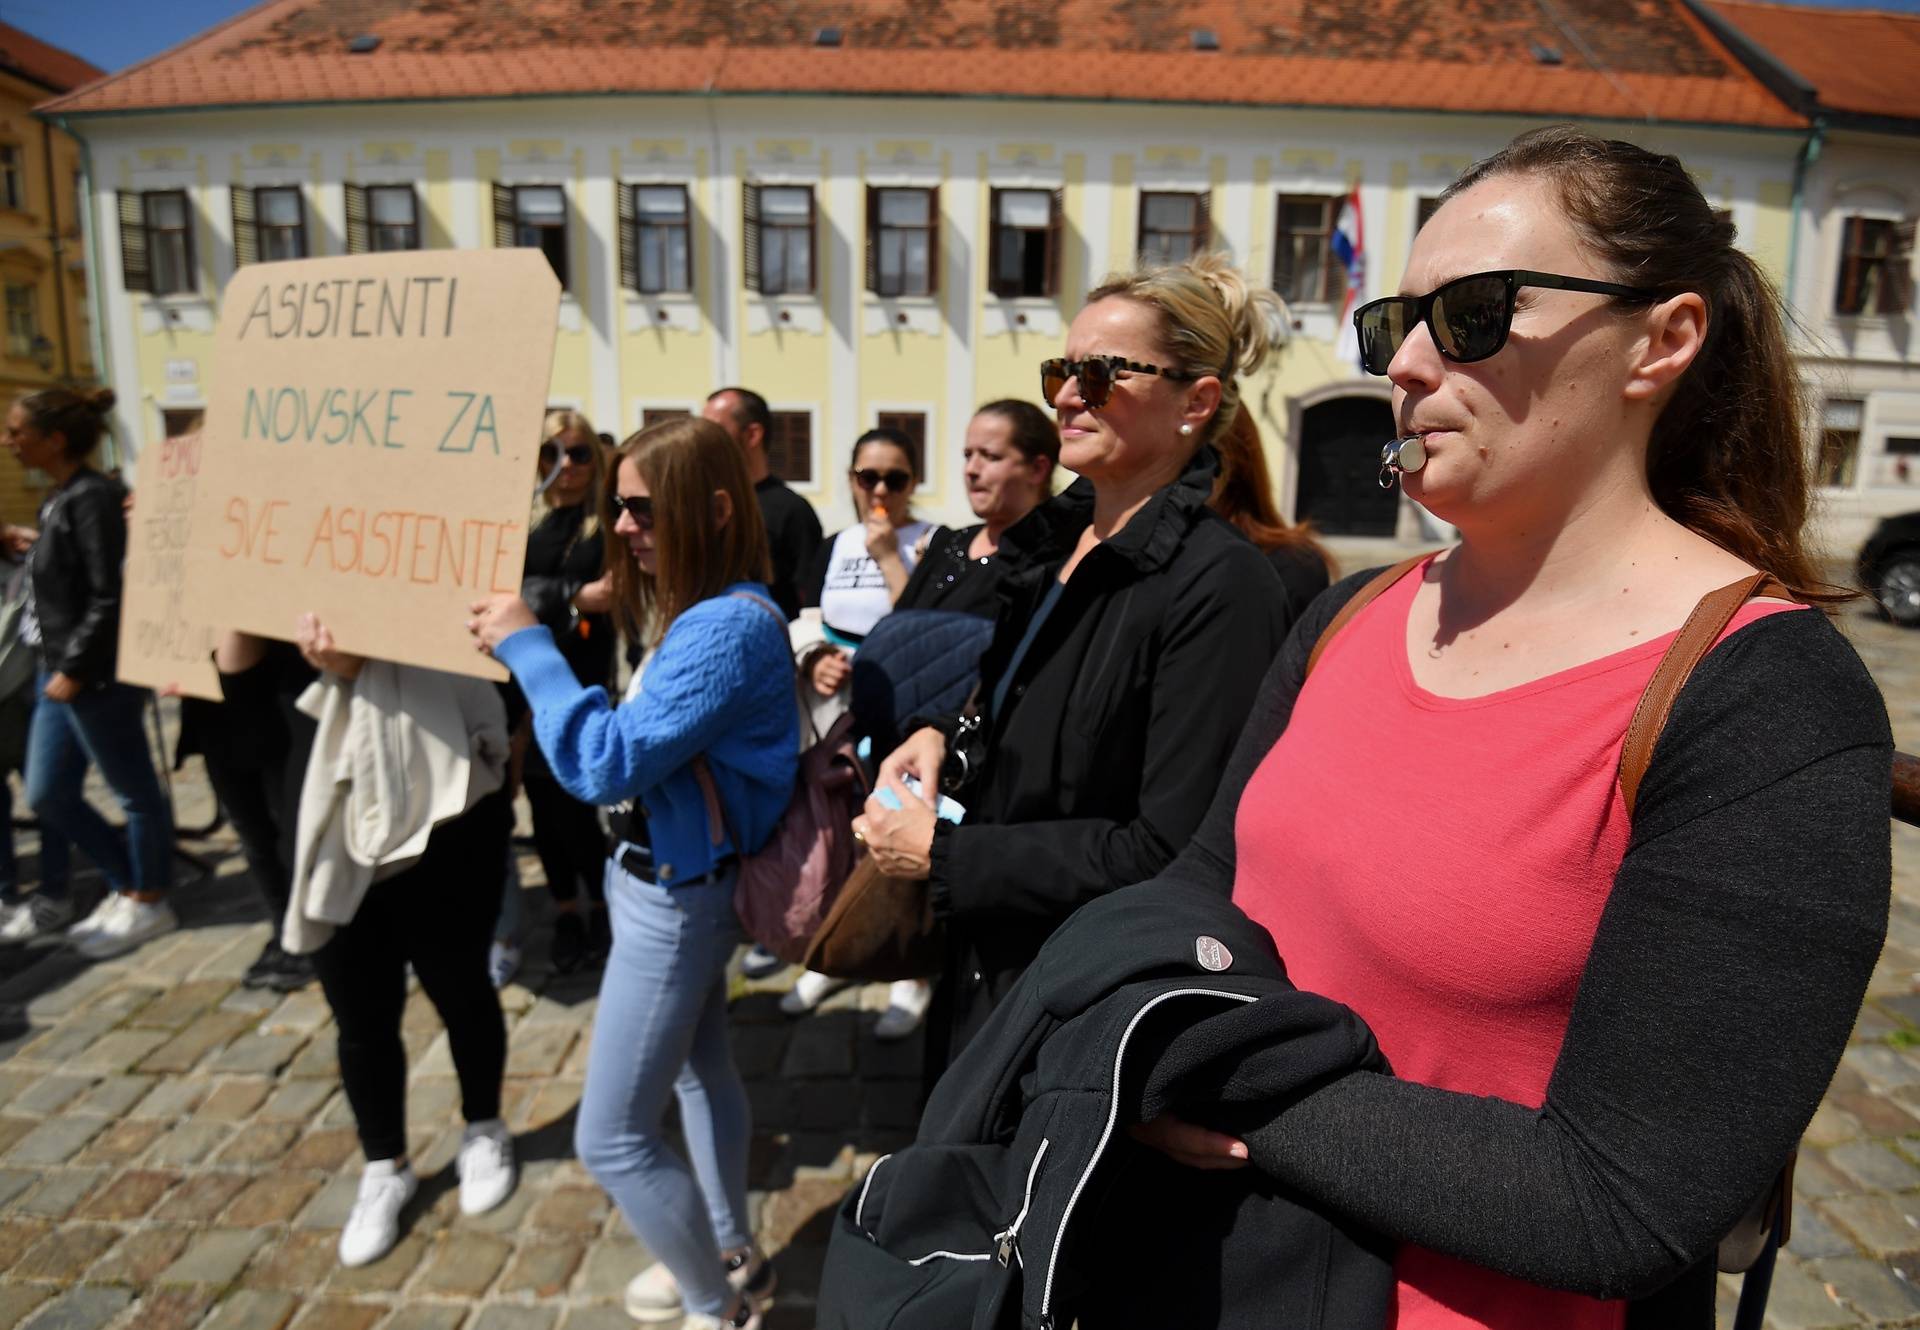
{"x":369,"y":447}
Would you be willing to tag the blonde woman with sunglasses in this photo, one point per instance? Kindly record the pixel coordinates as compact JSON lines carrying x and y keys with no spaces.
{"x":1135,"y":627}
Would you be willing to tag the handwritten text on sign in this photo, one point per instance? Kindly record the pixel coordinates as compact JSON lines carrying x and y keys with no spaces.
{"x":160,"y":646}
{"x":377,"y":420}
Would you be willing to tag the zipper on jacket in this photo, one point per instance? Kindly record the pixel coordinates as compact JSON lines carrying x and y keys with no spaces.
{"x":1106,"y":1134}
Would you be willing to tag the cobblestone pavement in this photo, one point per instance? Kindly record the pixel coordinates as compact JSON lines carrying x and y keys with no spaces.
{"x":175,"y":1151}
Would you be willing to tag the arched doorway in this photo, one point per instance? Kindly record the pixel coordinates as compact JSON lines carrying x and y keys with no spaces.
{"x":1339,"y":489}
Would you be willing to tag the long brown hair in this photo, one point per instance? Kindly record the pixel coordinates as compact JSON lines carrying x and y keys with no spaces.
{"x":1243,"y":493}
{"x":685,"y":462}
{"x":1728,"y":458}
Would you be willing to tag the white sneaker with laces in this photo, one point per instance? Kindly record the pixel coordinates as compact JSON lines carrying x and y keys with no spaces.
{"x":374,"y":1225}
{"x":809,"y":991}
{"x":907,"y":1003}
{"x":485,"y":1166}
{"x":759,"y":963}
{"x":503,"y":962}
{"x":127,"y":927}
{"x":107,"y":908}
{"x":36,"y":915}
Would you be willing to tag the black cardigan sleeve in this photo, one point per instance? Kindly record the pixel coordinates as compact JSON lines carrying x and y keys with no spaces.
{"x":1725,"y":975}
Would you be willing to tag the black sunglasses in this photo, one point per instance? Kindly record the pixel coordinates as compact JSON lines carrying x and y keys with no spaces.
{"x":867,"y":478}
{"x":1469,"y":317}
{"x":579,"y":454}
{"x":639,"y":507}
{"x":1096,"y":375}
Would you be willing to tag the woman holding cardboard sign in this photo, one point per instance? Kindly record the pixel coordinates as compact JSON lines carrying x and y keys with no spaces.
{"x":713,"y":720}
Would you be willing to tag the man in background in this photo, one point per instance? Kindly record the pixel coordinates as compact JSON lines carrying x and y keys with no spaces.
{"x":793,"y":531}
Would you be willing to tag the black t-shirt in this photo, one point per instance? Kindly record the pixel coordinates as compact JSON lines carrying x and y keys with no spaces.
{"x":793,"y":539}
{"x":947,"y":579}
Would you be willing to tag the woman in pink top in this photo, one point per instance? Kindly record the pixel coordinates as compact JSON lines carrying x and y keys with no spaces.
{"x":1607,"y":1032}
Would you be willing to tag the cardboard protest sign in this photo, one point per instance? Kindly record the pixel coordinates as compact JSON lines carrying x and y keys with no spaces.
{"x":161,"y":646}
{"x":370,"y":447}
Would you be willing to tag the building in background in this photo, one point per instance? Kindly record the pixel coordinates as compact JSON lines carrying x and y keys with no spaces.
{"x":43,"y":270}
{"x":1851,"y":275}
{"x":884,"y":213}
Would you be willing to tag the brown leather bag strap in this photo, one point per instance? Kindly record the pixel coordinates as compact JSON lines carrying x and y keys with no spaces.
{"x":1695,"y":639}
{"x":1361,"y":599}
{"x":716,"y":814}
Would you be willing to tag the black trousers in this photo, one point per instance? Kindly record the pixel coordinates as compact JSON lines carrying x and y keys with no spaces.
{"x":438,"y":916}
{"x":566,"y":834}
{"x":253,"y":796}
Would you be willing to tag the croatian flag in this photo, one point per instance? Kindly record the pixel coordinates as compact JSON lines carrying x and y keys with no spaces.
{"x":1350,"y":247}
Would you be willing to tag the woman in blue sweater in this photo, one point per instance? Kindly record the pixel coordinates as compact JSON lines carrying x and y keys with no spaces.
{"x":688,"y":566}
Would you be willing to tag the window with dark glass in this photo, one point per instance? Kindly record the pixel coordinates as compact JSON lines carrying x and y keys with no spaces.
{"x":903,"y":241}
{"x":1876,"y":267}
{"x":156,"y":241}
{"x":382,"y":219}
{"x":1305,"y":269}
{"x":13,"y":187}
{"x":656,"y":238}
{"x":660,"y":415}
{"x":282,"y":220}
{"x":23,"y":321}
{"x":790,"y":446}
{"x":1174,"y":227}
{"x":1024,"y":257}
{"x":1840,"y":423}
{"x":533,"y":217}
{"x":779,"y":239}
{"x":1424,"y":210}
{"x":913,"y":424}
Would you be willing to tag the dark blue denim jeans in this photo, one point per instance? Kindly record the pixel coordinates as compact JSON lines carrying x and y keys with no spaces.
{"x":102,"y":727}
{"x":54,"y":858}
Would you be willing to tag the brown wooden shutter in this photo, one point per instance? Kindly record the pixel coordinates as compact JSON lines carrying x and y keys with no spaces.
{"x":873,"y":239}
{"x":813,"y":242}
{"x":1056,"y":240}
{"x":504,"y":231}
{"x":933,"y":241}
{"x":305,"y":247}
{"x":246,"y":235}
{"x":1847,"y":299}
{"x":359,"y":239}
{"x":136,"y":268}
{"x":1899,"y":285}
{"x":994,"y":284}
{"x":1202,"y":221}
{"x":750,"y":238}
{"x":629,"y":224}
{"x":1140,"y":228}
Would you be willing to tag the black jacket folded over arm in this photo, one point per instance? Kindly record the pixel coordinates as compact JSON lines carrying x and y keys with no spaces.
{"x":1728,"y":967}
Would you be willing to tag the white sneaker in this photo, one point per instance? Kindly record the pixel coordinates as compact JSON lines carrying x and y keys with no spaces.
{"x":759,"y":963}
{"x":906,"y":1007}
{"x":485,"y":1166}
{"x":109,"y":906}
{"x":374,"y":1225}
{"x":37,"y":914}
{"x":809,"y":991}
{"x":653,"y":1295}
{"x":132,"y":923}
{"x":503,"y":962}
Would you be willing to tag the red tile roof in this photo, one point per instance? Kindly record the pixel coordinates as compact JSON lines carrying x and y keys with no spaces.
{"x":1624,"y":59}
{"x":35,"y":60}
{"x":1860,"y":61}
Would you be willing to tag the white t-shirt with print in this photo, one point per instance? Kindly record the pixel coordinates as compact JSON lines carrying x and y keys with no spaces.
{"x":853,"y":598}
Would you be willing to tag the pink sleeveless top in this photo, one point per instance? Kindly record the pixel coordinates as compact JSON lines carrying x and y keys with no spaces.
{"x":1439,"y":865}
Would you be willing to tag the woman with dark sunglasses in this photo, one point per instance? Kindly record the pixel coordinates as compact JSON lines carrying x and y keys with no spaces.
{"x":1134,"y":629}
{"x":1611,"y":1006}
{"x":689,"y":565}
{"x":567,"y":587}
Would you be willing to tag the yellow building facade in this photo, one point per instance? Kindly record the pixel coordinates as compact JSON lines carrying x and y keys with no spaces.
{"x":44,"y":340}
{"x":853,"y":259}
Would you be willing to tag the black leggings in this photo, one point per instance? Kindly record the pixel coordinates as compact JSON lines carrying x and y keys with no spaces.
{"x":567,"y":834}
{"x":438,"y":915}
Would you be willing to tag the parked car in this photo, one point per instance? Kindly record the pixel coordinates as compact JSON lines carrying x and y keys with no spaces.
{"x":1890,"y":567}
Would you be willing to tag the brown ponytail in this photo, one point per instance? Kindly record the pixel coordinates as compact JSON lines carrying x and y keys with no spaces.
{"x":1728,"y":457}
{"x":80,"y":418}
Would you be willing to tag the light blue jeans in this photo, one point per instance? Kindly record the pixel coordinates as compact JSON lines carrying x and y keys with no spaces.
{"x":662,"y":1025}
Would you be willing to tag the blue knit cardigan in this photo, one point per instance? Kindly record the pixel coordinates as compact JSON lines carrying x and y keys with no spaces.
{"x":721,"y":684}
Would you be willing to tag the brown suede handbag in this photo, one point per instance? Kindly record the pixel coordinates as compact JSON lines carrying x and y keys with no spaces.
{"x":878,"y":928}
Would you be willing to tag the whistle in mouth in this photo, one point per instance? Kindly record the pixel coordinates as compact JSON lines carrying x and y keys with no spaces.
{"x":1401,"y":457}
